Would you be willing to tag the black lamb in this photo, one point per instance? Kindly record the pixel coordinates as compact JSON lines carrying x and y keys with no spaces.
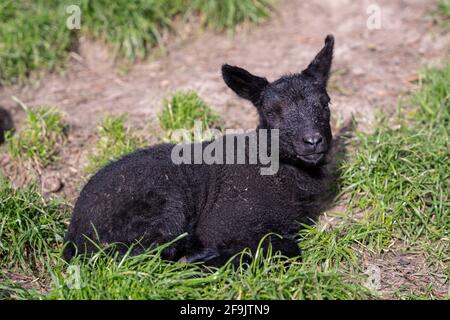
{"x":146,"y":198}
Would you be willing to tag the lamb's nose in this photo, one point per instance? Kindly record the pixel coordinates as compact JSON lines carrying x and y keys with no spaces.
{"x":313,"y":139}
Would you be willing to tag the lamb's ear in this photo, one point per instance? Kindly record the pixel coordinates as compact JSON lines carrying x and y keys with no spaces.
{"x":320,"y":67}
{"x":245,"y":84}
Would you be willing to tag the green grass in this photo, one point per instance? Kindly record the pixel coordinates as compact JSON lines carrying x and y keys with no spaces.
{"x":444,"y":8}
{"x":222,"y":15}
{"x":443,"y":13}
{"x":148,"y":277}
{"x":31,"y":228}
{"x":403,"y":171}
{"x":41,"y":137}
{"x":10,"y":289}
{"x":183,"y":109}
{"x":114,"y":141}
{"x":180,"y":111}
{"x":396,"y":177}
{"x":132,"y":28}
{"x":34,"y":36}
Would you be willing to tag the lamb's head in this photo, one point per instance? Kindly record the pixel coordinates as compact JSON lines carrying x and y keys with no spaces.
{"x":296,"y":104}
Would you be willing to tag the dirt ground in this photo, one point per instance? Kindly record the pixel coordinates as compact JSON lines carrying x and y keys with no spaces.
{"x":372,"y":68}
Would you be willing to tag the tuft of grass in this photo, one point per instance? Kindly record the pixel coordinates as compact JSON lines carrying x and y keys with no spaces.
{"x":227,"y":14}
{"x":13,"y":290}
{"x":41,"y":137}
{"x":396,"y":181}
{"x":31,"y":228}
{"x":33,"y":37}
{"x":114,"y":141}
{"x":183,"y":109}
{"x":444,"y":8}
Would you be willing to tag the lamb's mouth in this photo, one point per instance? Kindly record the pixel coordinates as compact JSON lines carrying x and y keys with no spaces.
{"x":313,"y":159}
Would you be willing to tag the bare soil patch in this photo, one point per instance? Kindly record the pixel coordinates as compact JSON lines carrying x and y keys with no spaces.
{"x":401,"y":271}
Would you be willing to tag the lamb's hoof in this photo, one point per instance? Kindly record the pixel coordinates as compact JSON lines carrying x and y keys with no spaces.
{"x":203,"y":255}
